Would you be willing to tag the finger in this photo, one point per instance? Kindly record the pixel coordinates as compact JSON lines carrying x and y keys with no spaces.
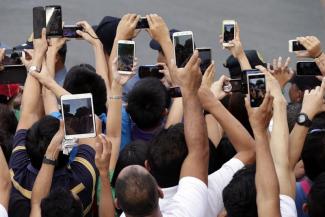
{"x":237,"y":35}
{"x":323,"y":85}
{"x":287,"y":62}
{"x":265,"y":102}
{"x":275,"y":66}
{"x":262,"y":69}
{"x":43,"y":33}
{"x":319,"y":77}
{"x":150,"y":21}
{"x":99,"y":150}
{"x":248,"y":105}
{"x":279,"y":62}
{"x":194,"y":58}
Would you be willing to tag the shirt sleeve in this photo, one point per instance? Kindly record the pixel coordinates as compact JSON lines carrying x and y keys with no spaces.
{"x":3,"y":211}
{"x":190,"y":200}
{"x":19,"y":157}
{"x":287,"y":206}
{"x":218,"y":181}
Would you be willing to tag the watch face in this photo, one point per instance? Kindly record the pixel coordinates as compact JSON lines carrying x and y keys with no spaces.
{"x":301,"y":118}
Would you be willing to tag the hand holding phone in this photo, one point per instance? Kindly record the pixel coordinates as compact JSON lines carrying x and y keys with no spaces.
{"x":143,"y":23}
{"x":256,"y":85}
{"x":125,"y":54}
{"x":70,"y":31}
{"x":295,"y":45}
{"x":53,"y":21}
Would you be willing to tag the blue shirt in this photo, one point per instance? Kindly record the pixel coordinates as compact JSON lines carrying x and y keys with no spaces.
{"x":60,"y":76}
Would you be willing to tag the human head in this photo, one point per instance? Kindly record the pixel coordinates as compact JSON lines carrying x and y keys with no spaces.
{"x":316,"y":203}
{"x":83,"y":79}
{"x":135,"y":153}
{"x":137,"y":192}
{"x":298,"y":86}
{"x":106,"y":32}
{"x":167,"y":151}
{"x":39,"y":137}
{"x":61,"y":202}
{"x":148,"y":103}
{"x":239,"y":196}
{"x":8,"y":125}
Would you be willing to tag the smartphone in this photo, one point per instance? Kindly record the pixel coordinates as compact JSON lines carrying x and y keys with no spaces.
{"x":228,"y":31}
{"x":205,"y":56}
{"x":257,"y":89}
{"x":53,"y":21}
{"x":143,"y":23}
{"x":39,"y":21}
{"x":175,"y":92}
{"x":244,"y":75}
{"x":233,"y":86}
{"x":183,"y":47}
{"x":78,"y":116}
{"x":70,"y":31}
{"x":151,"y":71}
{"x":125,"y":53}
{"x":294,"y":45}
{"x":13,"y":74}
{"x":307,"y":68}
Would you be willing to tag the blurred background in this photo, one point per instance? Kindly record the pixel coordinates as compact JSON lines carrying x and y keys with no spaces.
{"x":265,"y":25}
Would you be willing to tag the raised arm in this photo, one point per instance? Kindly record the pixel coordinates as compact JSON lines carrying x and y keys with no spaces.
{"x":267,"y":186}
{"x":312,"y":104}
{"x":43,"y":182}
{"x":102,"y":159}
{"x":5,"y":182}
{"x":196,"y":136}
{"x":32,"y":108}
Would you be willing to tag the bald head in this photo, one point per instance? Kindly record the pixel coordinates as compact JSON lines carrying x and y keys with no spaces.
{"x":136,"y":191}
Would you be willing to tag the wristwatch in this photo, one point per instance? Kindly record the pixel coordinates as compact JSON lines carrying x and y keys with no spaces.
{"x":34,"y":69}
{"x":303,"y":120}
{"x":49,"y":161}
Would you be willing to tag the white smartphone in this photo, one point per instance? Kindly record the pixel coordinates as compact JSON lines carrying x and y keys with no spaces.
{"x":183,"y":47}
{"x":228,"y":32}
{"x":125,"y":54}
{"x":256,"y":85}
{"x":294,"y":45}
{"x":78,"y":116}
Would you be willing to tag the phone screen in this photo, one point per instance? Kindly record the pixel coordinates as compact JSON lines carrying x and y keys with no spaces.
{"x":308,"y":69}
{"x":151,"y":71}
{"x":13,"y":75}
{"x":183,"y":49}
{"x":205,"y":56}
{"x":296,"y":46}
{"x":257,"y":89}
{"x":78,"y":116}
{"x":228,"y":32}
{"x":125,"y":57}
{"x":71,"y":31}
{"x":39,"y":21}
{"x":143,"y":23}
{"x":53,"y":20}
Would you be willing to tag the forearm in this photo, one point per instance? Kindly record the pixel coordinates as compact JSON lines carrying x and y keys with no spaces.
{"x":114,"y":122}
{"x":50,"y":61}
{"x":50,"y":101}
{"x":106,"y":205}
{"x":175,"y":115}
{"x":101,"y":64}
{"x":5,"y":182}
{"x":168,"y":49}
{"x":243,"y":61}
{"x":56,"y":89}
{"x":215,"y":131}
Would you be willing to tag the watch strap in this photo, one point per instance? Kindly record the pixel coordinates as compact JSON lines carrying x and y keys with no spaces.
{"x":49,"y":161}
{"x":307,"y":122}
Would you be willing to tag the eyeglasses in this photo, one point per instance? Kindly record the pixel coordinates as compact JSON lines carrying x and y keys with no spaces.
{"x":313,"y":131}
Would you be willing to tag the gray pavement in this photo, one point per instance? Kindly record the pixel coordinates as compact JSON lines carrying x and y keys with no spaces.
{"x":266,"y":25}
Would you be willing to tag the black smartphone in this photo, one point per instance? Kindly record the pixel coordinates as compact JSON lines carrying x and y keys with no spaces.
{"x":151,"y":71}
{"x":244,"y":75}
{"x":13,"y":74}
{"x":183,"y":47}
{"x":70,"y":31}
{"x":39,"y":21}
{"x":53,"y":21}
{"x":307,"y":68}
{"x":257,"y":89}
{"x":294,"y":45}
{"x":143,"y":23}
{"x":205,"y":56}
{"x":233,"y":86}
{"x":175,"y":92}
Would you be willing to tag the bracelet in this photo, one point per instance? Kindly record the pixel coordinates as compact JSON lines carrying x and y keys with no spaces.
{"x":319,"y":55}
{"x":49,"y":161}
{"x":115,"y":97}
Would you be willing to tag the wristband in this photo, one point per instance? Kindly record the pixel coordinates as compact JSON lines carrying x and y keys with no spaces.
{"x":49,"y":161}
{"x":115,"y":97}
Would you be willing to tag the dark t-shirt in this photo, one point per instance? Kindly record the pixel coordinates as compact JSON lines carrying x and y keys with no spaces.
{"x":80,"y":177}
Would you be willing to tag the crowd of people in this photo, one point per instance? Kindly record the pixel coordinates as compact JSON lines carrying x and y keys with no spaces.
{"x":205,"y":154}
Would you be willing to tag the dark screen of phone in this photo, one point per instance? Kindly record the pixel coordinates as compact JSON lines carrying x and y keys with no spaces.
{"x":257,"y":89}
{"x":308,"y":69}
{"x":183,"y":49}
{"x":142,"y":24}
{"x":125,"y":57}
{"x":296,"y":46}
{"x":205,"y":56}
{"x":151,"y":71}
{"x":71,"y":31}
{"x":39,"y":21}
{"x":53,"y":21}
{"x":229,"y":32}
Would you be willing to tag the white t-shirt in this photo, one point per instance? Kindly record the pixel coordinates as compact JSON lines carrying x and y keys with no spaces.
{"x":190,"y":199}
{"x":3,"y":211}
{"x":287,"y":206}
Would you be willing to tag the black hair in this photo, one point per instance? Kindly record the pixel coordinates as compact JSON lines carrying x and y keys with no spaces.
{"x":38,"y":139}
{"x":61,"y":202}
{"x":135,"y":153}
{"x":313,"y":153}
{"x":147,"y":102}
{"x":305,"y":82}
{"x":167,"y":151}
{"x":83,"y":79}
{"x":239,"y":196}
{"x":293,"y":109}
{"x":316,"y":202}
{"x":8,"y":125}
{"x":136,"y":192}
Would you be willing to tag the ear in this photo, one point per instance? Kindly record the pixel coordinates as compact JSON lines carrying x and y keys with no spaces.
{"x":305,"y":208}
{"x":116,"y":204}
{"x":160,"y":193}
{"x":147,"y":166}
